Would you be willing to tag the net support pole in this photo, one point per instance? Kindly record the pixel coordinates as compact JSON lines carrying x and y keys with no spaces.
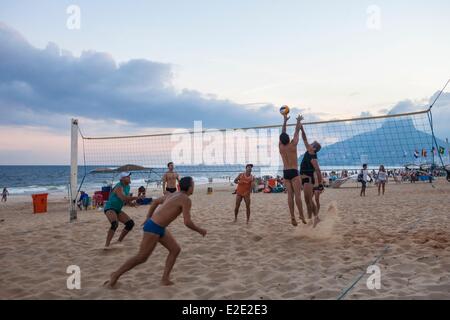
{"x":73,"y":169}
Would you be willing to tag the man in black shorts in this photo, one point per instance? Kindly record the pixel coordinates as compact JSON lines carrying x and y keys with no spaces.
{"x":288,"y":152}
{"x":170,"y":179}
{"x":308,"y":167}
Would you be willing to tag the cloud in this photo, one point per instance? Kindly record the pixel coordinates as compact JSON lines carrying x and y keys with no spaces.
{"x":440,"y":112}
{"x":365,"y":114}
{"x":406,"y":106}
{"x":45,"y":87}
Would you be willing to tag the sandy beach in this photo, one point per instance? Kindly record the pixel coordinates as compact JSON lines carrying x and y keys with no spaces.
{"x":268,"y":259}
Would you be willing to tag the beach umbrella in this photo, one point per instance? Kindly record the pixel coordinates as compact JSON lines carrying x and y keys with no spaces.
{"x":412,"y":166}
{"x":130,"y":167}
{"x":425,"y":166}
{"x":102,"y":170}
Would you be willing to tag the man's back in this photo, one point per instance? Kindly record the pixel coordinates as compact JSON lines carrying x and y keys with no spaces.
{"x":171,"y":208}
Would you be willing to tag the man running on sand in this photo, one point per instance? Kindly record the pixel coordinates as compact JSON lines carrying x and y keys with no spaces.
{"x":308,"y":167}
{"x":170,"y":179}
{"x":113,"y":208}
{"x":162,"y":212}
{"x":288,"y":152}
{"x":245,"y":183}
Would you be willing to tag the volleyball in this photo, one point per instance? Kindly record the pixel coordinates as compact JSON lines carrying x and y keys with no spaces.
{"x":284,"y":110}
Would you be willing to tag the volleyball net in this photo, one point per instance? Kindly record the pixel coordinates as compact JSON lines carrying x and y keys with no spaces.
{"x":392,"y":140}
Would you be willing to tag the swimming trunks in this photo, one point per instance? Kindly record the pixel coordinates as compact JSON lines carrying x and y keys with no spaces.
{"x":155,"y":228}
{"x":318,"y":188}
{"x":171,"y":190}
{"x":112,"y":209}
{"x":308,"y":177}
{"x":290,"y":174}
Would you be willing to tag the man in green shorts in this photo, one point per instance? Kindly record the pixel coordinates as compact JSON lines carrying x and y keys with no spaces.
{"x":113,"y":208}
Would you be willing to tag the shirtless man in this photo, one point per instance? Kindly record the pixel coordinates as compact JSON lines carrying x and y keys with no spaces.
{"x":245,"y":183}
{"x":308,"y":167}
{"x":288,"y":152}
{"x":170,"y":180}
{"x":162,"y":212}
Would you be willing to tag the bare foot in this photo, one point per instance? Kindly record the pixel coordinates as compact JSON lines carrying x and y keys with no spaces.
{"x":106,"y":248}
{"x":166,"y":282}
{"x":303,"y":219}
{"x":294,"y":222}
{"x":112,"y":281}
{"x":316,"y":221}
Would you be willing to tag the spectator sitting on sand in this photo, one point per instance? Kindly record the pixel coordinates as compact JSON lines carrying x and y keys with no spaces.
{"x":83,"y":201}
{"x":141,"y":192}
{"x":142,"y":199}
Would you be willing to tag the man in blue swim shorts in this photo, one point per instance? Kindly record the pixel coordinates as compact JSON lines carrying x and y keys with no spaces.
{"x":162,"y":212}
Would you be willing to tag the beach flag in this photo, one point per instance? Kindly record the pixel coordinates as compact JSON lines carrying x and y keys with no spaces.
{"x":416,"y":154}
{"x":424,"y":153}
{"x":441,"y":151}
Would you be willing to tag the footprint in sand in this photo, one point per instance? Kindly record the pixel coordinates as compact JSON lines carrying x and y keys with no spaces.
{"x":104,"y":250}
{"x":257,"y":238}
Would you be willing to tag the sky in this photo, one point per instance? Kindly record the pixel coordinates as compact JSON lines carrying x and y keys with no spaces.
{"x":141,"y":66}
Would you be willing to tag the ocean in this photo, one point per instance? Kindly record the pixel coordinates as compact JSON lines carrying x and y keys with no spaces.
{"x":24,"y":180}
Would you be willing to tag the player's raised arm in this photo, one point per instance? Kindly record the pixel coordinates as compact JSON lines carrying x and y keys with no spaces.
{"x":285,"y":120}
{"x":308,"y":147}
{"x":187,"y":218}
{"x":297,"y":130}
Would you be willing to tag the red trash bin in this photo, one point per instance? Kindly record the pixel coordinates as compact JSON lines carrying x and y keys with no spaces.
{"x":105,"y":195}
{"x":39,"y":202}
